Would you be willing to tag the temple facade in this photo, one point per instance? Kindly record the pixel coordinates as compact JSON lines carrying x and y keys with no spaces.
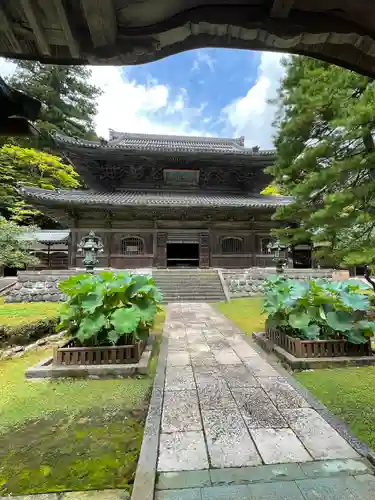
{"x":167,"y":201}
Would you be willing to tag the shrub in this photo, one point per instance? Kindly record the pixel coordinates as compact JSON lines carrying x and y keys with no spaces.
{"x":27,"y":333}
{"x":318,"y":309}
{"x":108,"y":308}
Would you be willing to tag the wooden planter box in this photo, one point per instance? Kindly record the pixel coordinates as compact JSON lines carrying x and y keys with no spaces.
{"x":317,"y":348}
{"x":68,"y":354}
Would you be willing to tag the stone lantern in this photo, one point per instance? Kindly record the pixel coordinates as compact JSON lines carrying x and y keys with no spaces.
{"x":90,"y":246}
{"x":278,"y":249}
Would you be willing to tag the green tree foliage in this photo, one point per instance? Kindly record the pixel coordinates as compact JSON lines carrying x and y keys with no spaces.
{"x":326,"y":158}
{"x":68,"y":99}
{"x":271,"y":190}
{"x":15,"y":242}
{"x":33,"y":168}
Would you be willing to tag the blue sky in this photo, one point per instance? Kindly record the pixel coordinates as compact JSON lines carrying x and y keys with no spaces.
{"x":210,"y":78}
{"x":211,"y":92}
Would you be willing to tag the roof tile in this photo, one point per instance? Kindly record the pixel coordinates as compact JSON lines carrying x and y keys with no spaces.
{"x":168,"y":143}
{"x":153,"y":198}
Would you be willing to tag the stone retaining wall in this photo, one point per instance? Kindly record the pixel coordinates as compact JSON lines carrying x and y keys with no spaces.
{"x":249,"y":282}
{"x":42,"y":286}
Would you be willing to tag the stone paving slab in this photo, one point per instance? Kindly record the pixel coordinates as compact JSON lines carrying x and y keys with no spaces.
{"x":226,"y":356}
{"x":275,"y":491}
{"x":202,"y":359}
{"x":181,"y":411}
{"x":278,"y":446}
{"x":336,"y":489}
{"x":257,"y":409}
{"x":321,"y":440}
{"x":227,"y":412}
{"x":228,"y":440}
{"x":260,"y":368}
{"x":183,"y":479}
{"x":225,"y":493}
{"x":238,"y":376}
{"x":179,"y":377}
{"x":262,"y":473}
{"x":281,"y":393}
{"x":190,"y":494}
{"x":333,"y":467}
{"x":216,"y":395}
{"x":182,"y":451}
{"x":178,"y":358}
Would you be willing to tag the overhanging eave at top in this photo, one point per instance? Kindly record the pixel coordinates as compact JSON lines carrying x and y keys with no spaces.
{"x":121,"y":32}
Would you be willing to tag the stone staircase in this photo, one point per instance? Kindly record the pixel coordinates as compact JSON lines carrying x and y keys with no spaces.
{"x":189,"y":285}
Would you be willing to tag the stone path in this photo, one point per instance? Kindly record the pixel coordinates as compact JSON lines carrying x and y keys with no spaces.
{"x":233,"y":428}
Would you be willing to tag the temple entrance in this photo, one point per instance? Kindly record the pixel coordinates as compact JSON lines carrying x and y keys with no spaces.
{"x":182,"y":254}
{"x":302,"y":257}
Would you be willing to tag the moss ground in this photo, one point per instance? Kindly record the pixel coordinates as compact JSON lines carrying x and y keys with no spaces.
{"x":17,"y":314}
{"x":69,"y":435}
{"x":245,"y":313}
{"x":349,"y":393}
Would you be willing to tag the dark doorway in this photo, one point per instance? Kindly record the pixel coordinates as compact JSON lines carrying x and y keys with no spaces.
{"x":301,"y":259}
{"x":12,"y":271}
{"x":182,"y":254}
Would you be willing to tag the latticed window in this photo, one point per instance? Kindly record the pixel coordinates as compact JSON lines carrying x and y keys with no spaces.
{"x":264,"y":242}
{"x":232,"y":245}
{"x":132,"y":245}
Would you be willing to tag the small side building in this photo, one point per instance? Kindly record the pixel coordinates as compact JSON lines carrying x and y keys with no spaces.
{"x":167,"y":201}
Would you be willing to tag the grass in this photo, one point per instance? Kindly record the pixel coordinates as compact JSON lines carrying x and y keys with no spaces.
{"x":18,"y":314}
{"x":69,"y":435}
{"x":245,"y":313}
{"x":349,"y":393}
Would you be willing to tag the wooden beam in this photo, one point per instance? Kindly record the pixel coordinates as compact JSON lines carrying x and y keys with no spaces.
{"x":64,"y":22}
{"x":37,"y":29}
{"x":101,"y":19}
{"x":6,"y":27}
{"x":281,"y":8}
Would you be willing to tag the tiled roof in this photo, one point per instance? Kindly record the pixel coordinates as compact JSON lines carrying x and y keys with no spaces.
{"x":48,"y":235}
{"x":152,"y":198}
{"x":168,"y":144}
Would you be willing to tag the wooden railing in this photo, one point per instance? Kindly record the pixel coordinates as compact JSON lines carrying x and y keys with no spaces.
{"x":317,"y":348}
{"x":68,"y":354}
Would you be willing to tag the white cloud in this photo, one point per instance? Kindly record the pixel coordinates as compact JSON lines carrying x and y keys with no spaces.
{"x":128,"y":106}
{"x":203,"y":59}
{"x":252,"y":115}
{"x":7,"y":67}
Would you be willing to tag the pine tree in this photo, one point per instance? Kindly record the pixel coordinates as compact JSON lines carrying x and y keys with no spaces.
{"x":69,"y":107}
{"x":67,"y":97}
{"x":326,"y":158}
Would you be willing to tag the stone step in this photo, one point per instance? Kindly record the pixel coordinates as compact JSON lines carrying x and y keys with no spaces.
{"x":187,"y":298}
{"x":190,"y":285}
{"x":176,"y":286}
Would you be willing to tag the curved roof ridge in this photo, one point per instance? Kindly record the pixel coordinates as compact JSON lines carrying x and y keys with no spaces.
{"x":151,"y":199}
{"x":168,"y":143}
{"x":115,"y":135}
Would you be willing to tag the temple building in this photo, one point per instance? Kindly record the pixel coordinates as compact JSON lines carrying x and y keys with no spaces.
{"x":167,"y":201}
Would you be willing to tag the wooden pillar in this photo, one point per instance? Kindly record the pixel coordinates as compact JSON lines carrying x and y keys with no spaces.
{"x":109,"y":237}
{"x":73,"y":240}
{"x":204,"y":249}
{"x":161,"y":250}
{"x":252,"y":249}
